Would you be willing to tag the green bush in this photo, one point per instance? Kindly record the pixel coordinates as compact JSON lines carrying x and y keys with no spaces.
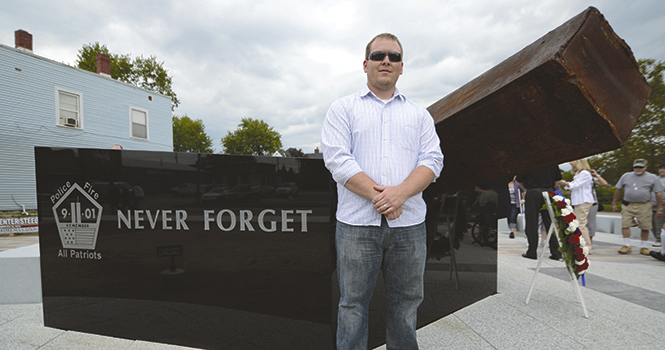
{"x":605,"y":194}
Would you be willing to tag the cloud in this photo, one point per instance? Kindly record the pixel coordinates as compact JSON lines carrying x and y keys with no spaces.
{"x":285,"y":62}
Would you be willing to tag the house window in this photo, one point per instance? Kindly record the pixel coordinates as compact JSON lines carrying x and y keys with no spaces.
{"x":139,"y":123}
{"x":68,"y":109}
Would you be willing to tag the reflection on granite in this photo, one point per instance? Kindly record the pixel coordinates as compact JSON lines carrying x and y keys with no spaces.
{"x":476,"y":270}
{"x":185,"y":324}
{"x":221,"y":252}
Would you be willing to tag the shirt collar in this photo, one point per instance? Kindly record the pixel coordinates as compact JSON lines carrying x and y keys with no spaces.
{"x":367,"y":92}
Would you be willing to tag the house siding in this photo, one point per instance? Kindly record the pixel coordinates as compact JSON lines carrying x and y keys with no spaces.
{"x":28,"y":85}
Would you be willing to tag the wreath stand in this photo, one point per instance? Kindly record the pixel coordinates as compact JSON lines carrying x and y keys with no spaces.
{"x":554,"y":228}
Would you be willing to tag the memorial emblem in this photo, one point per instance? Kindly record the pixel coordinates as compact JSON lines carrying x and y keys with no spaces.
{"x":77,"y":215}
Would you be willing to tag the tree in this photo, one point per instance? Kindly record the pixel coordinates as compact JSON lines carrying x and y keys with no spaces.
{"x":647,"y":139}
{"x":294,"y":152}
{"x":146,"y":73}
{"x":253,"y":137}
{"x":190,"y":136}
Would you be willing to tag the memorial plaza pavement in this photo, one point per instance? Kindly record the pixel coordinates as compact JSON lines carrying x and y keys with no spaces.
{"x":624,"y":296}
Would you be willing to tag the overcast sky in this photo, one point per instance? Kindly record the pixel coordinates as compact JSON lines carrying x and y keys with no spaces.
{"x":285,"y":62}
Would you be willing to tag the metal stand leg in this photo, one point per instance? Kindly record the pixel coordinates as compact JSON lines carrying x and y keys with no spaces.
{"x":573,"y":280}
{"x":450,"y":224}
{"x":578,"y":291}
{"x":540,"y":261}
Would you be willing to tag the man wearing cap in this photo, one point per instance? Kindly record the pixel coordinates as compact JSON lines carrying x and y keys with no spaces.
{"x":639,"y":185}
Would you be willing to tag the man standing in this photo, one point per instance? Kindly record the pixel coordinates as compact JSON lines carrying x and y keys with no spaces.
{"x":658,"y":221}
{"x":537,"y":182}
{"x":639,"y":185}
{"x":383,"y":151}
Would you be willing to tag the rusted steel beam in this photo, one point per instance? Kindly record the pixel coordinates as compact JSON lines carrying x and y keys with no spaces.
{"x":575,"y":92}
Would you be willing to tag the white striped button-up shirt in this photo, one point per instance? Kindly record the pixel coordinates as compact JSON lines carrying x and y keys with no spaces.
{"x":386,"y":140}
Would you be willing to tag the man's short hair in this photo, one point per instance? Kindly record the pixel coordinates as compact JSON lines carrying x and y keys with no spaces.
{"x":387,"y":36}
{"x":661,"y":166}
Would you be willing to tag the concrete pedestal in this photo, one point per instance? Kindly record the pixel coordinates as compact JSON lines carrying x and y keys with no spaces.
{"x":20,"y":276}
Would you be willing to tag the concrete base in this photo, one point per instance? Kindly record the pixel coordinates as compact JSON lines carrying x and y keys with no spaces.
{"x":20,"y":274}
{"x":608,"y":223}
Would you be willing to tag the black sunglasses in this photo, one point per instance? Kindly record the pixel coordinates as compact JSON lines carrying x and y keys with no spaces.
{"x":638,"y":167}
{"x":393,"y":56}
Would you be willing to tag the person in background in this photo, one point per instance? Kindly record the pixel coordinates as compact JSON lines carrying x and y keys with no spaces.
{"x":659,"y":255}
{"x":543,"y":230}
{"x":591,"y":219}
{"x":516,"y":200}
{"x":487,"y":204}
{"x":139,"y":195}
{"x":658,"y":221}
{"x":638,"y":185}
{"x":581,"y":195}
{"x":537,"y":182}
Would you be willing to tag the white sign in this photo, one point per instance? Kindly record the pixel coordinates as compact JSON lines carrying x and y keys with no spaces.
{"x":19,"y":225}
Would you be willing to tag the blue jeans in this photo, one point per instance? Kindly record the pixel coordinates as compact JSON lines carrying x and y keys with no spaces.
{"x":361,"y":252}
{"x":512,"y":218}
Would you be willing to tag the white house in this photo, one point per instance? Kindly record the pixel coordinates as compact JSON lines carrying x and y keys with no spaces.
{"x":46,"y":103}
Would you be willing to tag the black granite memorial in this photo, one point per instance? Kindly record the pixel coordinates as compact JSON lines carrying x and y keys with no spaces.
{"x":217,"y":251}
